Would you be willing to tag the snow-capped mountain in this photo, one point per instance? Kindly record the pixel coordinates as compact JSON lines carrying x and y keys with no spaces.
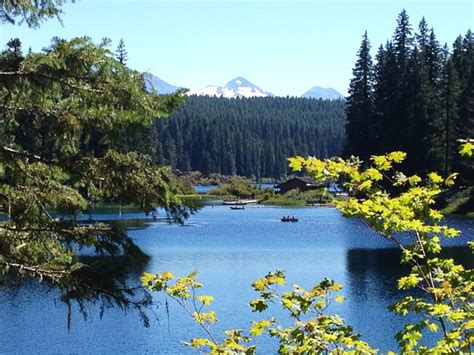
{"x":238,"y":87}
{"x":318,"y":92}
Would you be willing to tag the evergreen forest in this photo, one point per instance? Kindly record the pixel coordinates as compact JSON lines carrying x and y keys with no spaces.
{"x":416,"y":96}
{"x":250,"y":137}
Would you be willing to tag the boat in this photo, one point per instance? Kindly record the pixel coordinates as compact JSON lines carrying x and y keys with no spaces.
{"x":238,"y":202}
{"x":237,"y":207}
{"x":289,"y":219}
{"x":232,"y":202}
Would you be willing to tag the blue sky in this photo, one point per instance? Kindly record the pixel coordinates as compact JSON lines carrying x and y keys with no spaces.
{"x":285,"y":47}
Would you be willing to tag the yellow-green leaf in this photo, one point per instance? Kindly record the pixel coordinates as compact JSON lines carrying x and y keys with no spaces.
{"x":397,"y":157}
{"x":408,"y":282}
{"x":435,"y":178}
{"x":259,"y":327}
{"x":207,"y":300}
{"x":339,"y":299}
{"x":381,"y":162}
{"x":199,"y":342}
{"x":467,"y":149}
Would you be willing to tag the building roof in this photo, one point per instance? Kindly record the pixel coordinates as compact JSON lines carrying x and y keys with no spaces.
{"x":307,"y":180}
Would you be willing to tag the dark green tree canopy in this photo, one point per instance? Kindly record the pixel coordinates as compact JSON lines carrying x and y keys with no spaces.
{"x":247,"y":136}
{"x":422,"y":100}
{"x":30,"y":12}
{"x":63,"y":111}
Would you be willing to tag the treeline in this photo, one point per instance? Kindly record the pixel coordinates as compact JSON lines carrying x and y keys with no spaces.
{"x":248,"y":137}
{"x":417,"y":96}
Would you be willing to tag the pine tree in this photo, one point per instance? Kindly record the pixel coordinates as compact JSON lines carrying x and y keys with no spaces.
{"x":14,"y":47}
{"x":465,"y":73}
{"x":423,"y":36}
{"x":402,"y":46}
{"x":466,"y":165}
{"x":402,"y":40}
{"x":360,"y":127}
{"x":466,"y":102}
{"x":121,"y":53}
{"x":434,"y":66}
{"x":13,"y":55}
{"x":30,"y":12}
{"x":424,"y":78}
{"x":386,"y":83}
{"x":60,"y":153}
{"x":433,"y":60}
{"x":450,"y":128}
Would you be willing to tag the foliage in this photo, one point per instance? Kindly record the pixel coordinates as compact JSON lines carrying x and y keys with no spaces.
{"x":418,"y":97}
{"x":467,"y":147}
{"x":241,"y":188}
{"x":296,"y":197}
{"x":407,"y":218}
{"x":320,"y":195}
{"x":460,"y":202}
{"x":271,"y":198}
{"x":404,"y":215}
{"x":185,"y":187}
{"x":62,"y":113}
{"x":31,"y":12}
{"x":312,"y":332}
{"x":198,"y":178}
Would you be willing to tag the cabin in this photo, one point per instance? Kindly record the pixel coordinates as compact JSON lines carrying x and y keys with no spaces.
{"x":302,"y":183}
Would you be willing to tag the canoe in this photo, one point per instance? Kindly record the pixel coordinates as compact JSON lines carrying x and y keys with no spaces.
{"x":289,"y":219}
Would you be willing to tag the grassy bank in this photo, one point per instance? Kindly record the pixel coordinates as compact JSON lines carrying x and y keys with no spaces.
{"x":282,"y":201}
{"x":461,"y":203}
{"x":244,"y":189}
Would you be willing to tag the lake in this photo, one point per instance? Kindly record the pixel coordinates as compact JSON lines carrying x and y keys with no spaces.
{"x":204,"y":189}
{"x":230,"y":249}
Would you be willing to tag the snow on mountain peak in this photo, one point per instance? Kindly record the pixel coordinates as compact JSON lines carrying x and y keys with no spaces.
{"x":238,"y":87}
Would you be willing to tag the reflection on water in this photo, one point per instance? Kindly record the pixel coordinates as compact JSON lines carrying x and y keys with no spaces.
{"x":372,"y":287}
{"x":230,"y":249}
{"x":366,"y":266}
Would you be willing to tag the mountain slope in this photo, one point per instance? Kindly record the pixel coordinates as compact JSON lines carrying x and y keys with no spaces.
{"x":161,"y":86}
{"x":318,"y":92}
{"x":238,"y":87}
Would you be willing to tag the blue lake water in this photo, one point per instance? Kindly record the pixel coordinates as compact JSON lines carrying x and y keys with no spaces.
{"x":204,"y":189}
{"x":230,"y":249}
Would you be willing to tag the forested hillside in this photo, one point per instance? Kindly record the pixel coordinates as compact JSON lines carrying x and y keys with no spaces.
{"x":249,"y":137}
{"x":416,"y":96}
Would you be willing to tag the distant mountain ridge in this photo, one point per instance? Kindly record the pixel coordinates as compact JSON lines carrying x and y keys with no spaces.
{"x":318,"y":92}
{"x":239,"y":87}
